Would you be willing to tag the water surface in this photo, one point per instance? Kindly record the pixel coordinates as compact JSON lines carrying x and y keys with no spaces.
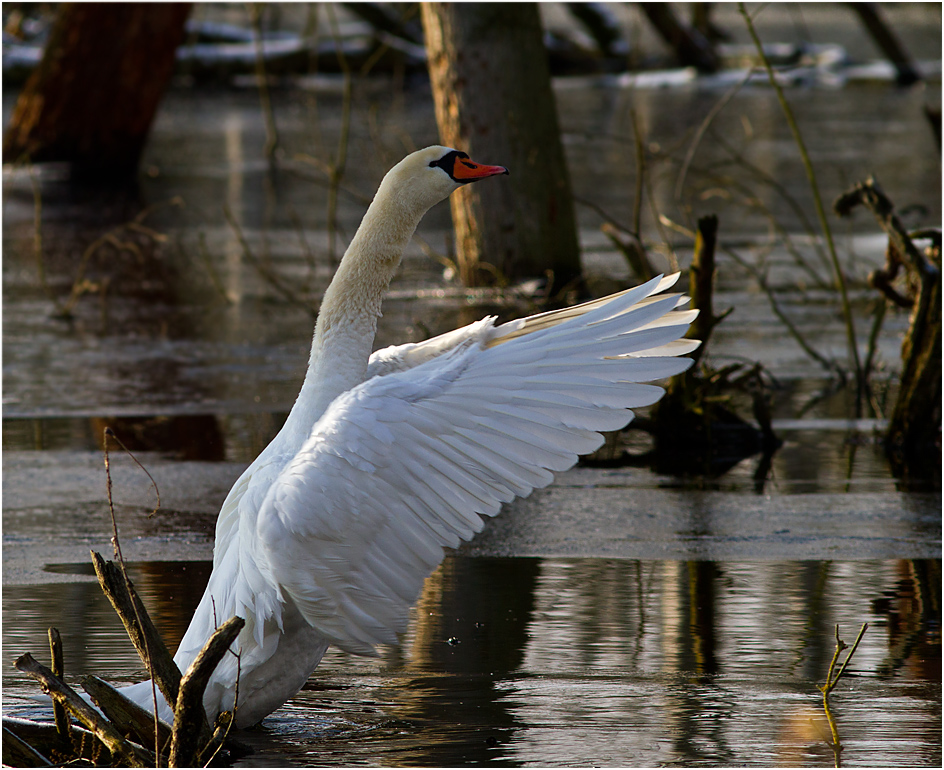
{"x":580,"y":661}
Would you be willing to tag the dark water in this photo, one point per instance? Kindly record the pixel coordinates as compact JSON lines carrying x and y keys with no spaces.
{"x":579,"y":661}
{"x":623,"y":616}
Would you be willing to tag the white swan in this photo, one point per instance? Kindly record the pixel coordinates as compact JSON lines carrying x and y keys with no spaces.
{"x":386,"y":459}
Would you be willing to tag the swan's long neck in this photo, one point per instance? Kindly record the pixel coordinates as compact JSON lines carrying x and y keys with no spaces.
{"x":347,"y":320}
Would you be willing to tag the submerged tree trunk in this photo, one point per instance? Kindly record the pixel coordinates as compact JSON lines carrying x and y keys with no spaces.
{"x":492,"y":90}
{"x":93,"y":97}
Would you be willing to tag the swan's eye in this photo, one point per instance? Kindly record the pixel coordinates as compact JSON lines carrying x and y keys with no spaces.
{"x":447,"y":162}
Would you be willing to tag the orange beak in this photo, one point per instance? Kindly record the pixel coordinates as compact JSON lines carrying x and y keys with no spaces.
{"x":466,"y":170}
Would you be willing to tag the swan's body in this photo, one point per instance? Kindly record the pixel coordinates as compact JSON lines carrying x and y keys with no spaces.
{"x":386,"y":459}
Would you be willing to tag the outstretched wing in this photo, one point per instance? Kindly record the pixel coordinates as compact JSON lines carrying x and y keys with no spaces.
{"x":397,"y":358}
{"x":408,"y":463}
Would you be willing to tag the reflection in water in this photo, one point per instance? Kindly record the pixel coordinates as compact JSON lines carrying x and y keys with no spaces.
{"x":578,"y":661}
{"x":205,"y":437}
{"x":701,"y":610}
{"x":912,"y":609}
{"x":194,"y":437}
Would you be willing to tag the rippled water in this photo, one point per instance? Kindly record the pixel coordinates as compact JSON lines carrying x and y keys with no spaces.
{"x":580,"y":661}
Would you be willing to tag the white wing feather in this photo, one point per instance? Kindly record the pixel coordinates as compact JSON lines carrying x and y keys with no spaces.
{"x":407,"y":463}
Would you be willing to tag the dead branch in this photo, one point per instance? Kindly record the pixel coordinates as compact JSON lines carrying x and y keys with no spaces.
{"x":189,"y":712}
{"x":126,"y":715}
{"x":145,"y":637}
{"x":632,"y":249}
{"x":915,"y":427}
{"x":63,"y":726}
{"x":870,"y":195}
{"x":888,"y":42}
{"x":135,"y":756}
{"x":43,"y":738}
{"x":883,"y":278}
{"x":689,"y":45}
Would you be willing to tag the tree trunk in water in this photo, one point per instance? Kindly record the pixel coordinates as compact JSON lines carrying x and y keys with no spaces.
{"x":492,"y":90}
{"x":93,"y":97}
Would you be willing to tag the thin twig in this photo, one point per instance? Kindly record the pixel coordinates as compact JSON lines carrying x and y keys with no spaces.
{"x":781,"y":190}
{"x":169,"y":690}
{"x":210,"y":267}
{"x":855,"y":646}
{"x":699,"y":134}
{"x":38,"y":234}
{"x":820,"y":209}
{"x":761,"y":279}
{"x":835,"y":744}
{"x":272,"y":133}
{"x":266,"y":274}
{"x":660,"y":221}
{"x":640,"y":148}
{"x":80,"y":285}
{"x":872,"y":350}
{"x":110,"y":434}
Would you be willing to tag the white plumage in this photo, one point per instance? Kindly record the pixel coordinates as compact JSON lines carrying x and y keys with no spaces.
{"x":387,"y":459}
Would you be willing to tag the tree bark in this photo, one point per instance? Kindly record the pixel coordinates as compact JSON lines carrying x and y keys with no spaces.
{"x":93,"y":97}
{"x":492,"y":91}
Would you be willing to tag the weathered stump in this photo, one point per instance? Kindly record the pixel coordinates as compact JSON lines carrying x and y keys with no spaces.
{"x":694,"y":431}
{"x":913,"y":441}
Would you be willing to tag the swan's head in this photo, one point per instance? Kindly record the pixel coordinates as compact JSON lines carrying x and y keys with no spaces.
{"x":428,"y":176}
